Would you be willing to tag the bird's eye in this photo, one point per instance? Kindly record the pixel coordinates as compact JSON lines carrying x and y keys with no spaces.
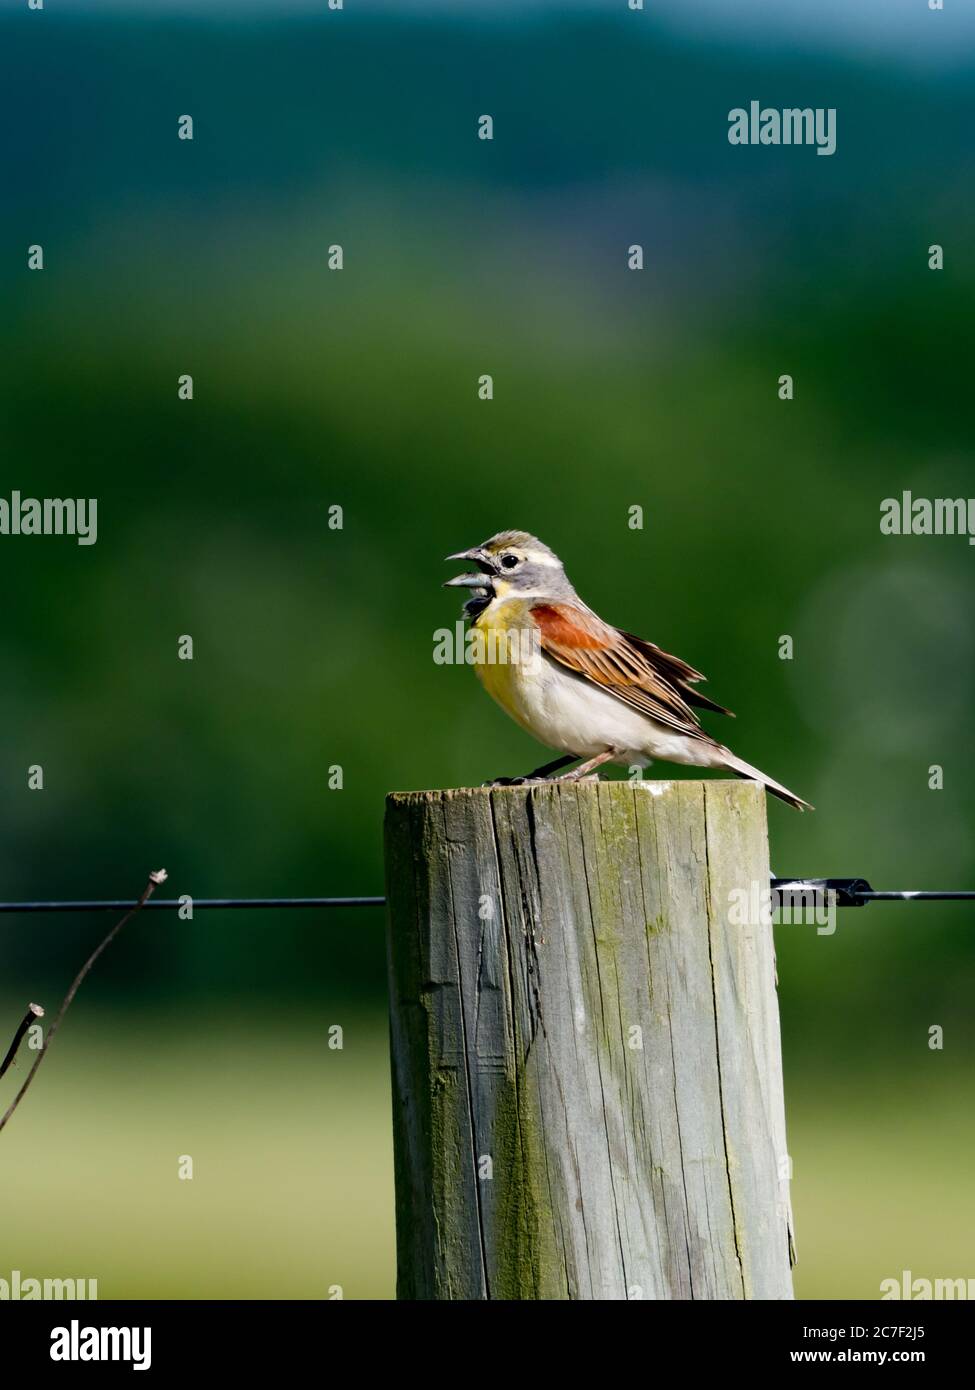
{"x":509,"y":561}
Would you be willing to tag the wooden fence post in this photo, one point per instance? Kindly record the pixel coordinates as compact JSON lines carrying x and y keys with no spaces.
{"x":587,"y":1080}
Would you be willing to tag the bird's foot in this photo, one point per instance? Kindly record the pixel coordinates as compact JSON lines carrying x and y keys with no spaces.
{"x":540,"y":774}
{"x":586,"y":772}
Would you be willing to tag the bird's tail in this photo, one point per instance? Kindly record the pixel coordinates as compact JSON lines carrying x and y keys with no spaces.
{"x":730,"y":760}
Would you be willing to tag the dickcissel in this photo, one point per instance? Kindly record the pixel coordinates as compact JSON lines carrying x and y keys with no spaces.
{"x":577,"y":684}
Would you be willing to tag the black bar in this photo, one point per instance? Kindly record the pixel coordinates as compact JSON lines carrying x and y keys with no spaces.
{"x":255,"y":1339}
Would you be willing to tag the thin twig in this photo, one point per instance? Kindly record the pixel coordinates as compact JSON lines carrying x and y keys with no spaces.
{"x":156,"y":877}
{"x":34,"y":1012}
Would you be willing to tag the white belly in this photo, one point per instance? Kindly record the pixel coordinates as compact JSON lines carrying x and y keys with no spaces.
{"x":571,"y":714}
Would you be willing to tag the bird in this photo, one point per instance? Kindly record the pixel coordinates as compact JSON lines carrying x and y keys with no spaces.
{"x":594,"y":692}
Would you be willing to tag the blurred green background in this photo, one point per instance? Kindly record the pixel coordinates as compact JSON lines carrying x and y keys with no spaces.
{"x":313,"y":646}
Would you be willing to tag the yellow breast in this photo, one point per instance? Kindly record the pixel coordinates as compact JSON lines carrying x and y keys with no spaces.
{"x":498,"y":650}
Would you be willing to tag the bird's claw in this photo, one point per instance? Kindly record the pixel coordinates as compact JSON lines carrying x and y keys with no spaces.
{"x":536,"y":776}
{"x":515,"y":781}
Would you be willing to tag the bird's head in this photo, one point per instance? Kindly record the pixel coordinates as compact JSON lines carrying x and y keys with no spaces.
{"x":511,"y":564}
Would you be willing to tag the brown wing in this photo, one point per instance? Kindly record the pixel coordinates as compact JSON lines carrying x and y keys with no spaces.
{"x":635,"y":671}
{"x":677,"y":672}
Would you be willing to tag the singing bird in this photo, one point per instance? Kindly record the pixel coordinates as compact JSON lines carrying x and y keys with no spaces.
{"x":592,"y":691}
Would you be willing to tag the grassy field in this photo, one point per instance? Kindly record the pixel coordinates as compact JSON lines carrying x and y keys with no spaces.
{"x":292,"y":1162}
{"x":292,"y":1183}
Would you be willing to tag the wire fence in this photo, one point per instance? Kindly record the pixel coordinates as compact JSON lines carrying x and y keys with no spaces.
{"x":156,"y":904}
{"x":848,"y":892}
{"x":785,"y":893}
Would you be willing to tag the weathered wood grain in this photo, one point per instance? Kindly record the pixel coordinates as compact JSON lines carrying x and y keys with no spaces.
{"x":587,"y":1083}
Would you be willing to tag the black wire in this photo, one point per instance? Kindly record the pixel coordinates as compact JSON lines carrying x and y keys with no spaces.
{"x":154,"y":904}
{"x":925,"y":895}
{"x":122,"y":904}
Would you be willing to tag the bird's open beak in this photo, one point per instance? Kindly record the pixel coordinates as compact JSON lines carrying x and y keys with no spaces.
{"x":482,"y":580}
{"x":466,"y":581}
